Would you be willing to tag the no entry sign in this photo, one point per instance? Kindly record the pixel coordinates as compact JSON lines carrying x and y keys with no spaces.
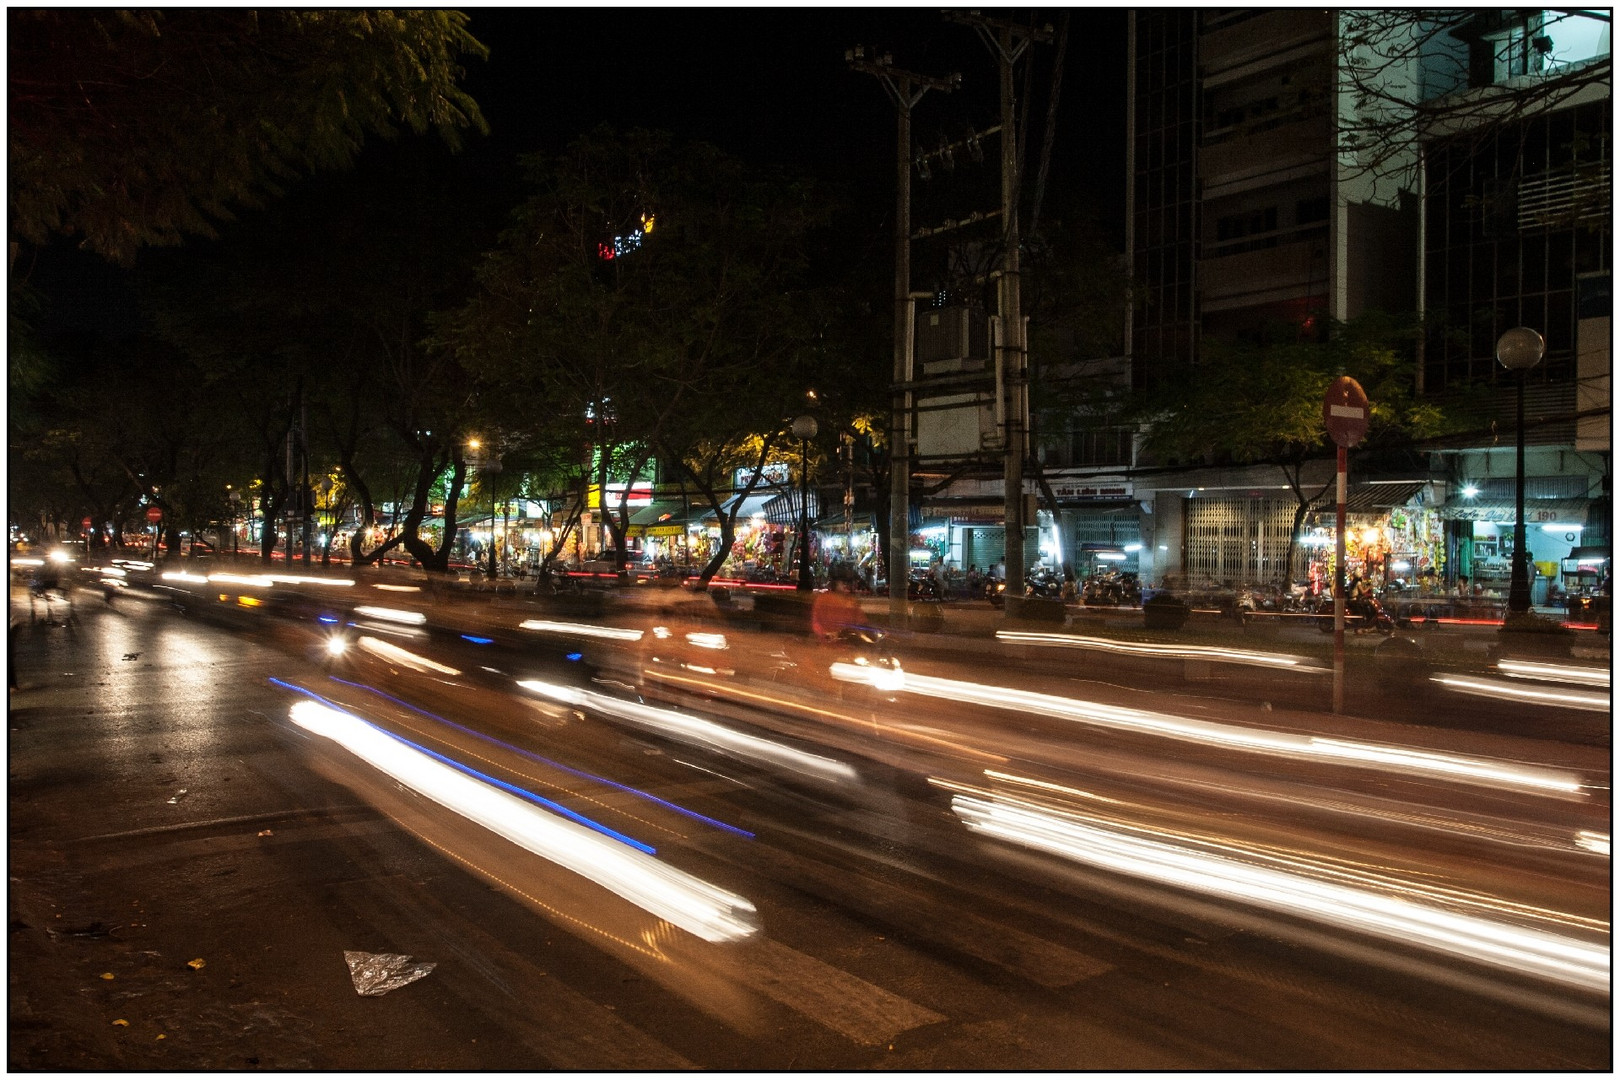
{"x":154,"y":513}
{"x":1345,"y":411}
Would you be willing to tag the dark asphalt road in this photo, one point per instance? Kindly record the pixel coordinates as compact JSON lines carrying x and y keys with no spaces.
{"x":163,"y":810}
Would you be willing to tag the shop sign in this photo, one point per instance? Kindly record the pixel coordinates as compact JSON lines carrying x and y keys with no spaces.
{"x":665,"y":530}
{"x":1092,"y":491}
{"x":774,"y":473}
{"x":640,"y":495}
{"x":1502,"y":514}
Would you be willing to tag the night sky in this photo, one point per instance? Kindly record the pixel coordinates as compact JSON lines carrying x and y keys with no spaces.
{"x":769,"y":85}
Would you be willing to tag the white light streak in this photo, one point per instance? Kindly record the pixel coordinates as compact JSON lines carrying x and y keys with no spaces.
{"x":181,"y":575}
{"x":263,"y":581}
{"x":1456,"y":767}
{"x":695,"y":729}
{"x":1505,"y":691}
{"x":617,"y":633}
{"x":886,"y":678}
{"x":403,"y":657}
{"x":691,"y":903}
{"x":398,"y":588}
{"x":1143,"y":648}
{"x":707,"y":641}
{"x":296,"y":579}
{"x":1570,"y":673}
{"x":1381,"y":913}
{"x":1593,"y":841}
{"x":413,"y":618}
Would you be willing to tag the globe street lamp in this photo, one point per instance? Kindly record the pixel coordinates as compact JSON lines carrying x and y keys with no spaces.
{"x":1519,"y":350}
{"x":804,"y":428}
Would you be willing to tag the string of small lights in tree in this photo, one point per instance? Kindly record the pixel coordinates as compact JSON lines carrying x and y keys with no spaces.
{"x":624,"y":245}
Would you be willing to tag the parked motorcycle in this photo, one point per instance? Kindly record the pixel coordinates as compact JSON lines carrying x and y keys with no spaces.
{"x":995,"y":591}
{"x":923,"y":587}
{"x":1045,"y":584}
{"x":1360,"y":614}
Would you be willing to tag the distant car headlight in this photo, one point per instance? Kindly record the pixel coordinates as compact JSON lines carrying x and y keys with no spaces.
{"x":337,"y":645}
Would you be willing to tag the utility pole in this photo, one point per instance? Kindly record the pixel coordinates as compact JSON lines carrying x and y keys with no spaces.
{"x":905,"y":89}
{"x":1007,"y":43}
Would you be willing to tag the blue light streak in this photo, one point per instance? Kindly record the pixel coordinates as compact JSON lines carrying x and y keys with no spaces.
{"x":548,"y":761}
{"x":521,"y":793}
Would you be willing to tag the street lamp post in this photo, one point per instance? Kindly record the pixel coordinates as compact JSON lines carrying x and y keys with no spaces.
{"x":804,"y":428}
{"x":1519,"y":350}
{"x":236,"y":501}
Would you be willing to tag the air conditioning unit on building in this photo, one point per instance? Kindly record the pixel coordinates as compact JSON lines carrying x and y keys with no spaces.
{"x":951,"y":339}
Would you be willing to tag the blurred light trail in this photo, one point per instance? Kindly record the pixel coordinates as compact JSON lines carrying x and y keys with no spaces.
{"x":1593,"y":841}
{"x":264,"y":581}
{"x":888,"y":678}
{"x":1259,"y":740}
{"x":301,"y":579}
{"x":413,"y":618}
{"x":1175,"y":652}
{"x":695,"y":729}
{"x":694,"y":905}
{"x":1506,"y":691}
{"x":617,"y":633}
{"x":530,"y":755}
{"x":181,"y":575}
{"x":398,"y":588}
{"x":404,"y":657}
{"x":1406,"y":913}
{"x":869,"y":723}
{"x":1570,"y":673}
{"x":27,"y":561}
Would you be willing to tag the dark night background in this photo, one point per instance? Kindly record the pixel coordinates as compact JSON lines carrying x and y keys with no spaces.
{"x":771,"y":86}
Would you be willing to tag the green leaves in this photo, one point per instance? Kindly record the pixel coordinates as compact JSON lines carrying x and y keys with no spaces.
{"x":1255,"y":402}
{"x":134,"y":129}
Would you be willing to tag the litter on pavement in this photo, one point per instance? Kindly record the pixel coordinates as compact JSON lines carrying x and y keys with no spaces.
{"x":375,"y":974}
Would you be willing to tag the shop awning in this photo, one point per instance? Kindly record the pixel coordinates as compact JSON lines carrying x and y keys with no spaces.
{"x":658,"y":518}
{"x":784,"y":509}
{"x":1369,"y":498}
{"x":747,"y":506}
{"x":1536,"y":511}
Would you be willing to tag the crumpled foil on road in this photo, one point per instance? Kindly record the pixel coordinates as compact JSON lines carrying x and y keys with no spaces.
{"x":375,"y":974}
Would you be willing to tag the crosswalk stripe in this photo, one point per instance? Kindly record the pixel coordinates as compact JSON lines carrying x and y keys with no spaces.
{"x":833,"y":998}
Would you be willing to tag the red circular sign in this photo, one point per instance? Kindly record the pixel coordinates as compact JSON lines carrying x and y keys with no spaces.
{"x":154,"y":513}
{"x":1345,"y":411}
{"x":85,"y":524}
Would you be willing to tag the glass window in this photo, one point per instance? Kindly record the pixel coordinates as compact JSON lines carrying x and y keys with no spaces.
{"x":1576,"y":36}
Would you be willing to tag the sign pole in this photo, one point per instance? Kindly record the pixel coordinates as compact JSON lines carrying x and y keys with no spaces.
{"x":1345,"y":412}
{"x":1338,"y":590}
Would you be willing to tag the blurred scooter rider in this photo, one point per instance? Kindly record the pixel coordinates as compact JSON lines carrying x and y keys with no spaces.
{"x":835,"y":610}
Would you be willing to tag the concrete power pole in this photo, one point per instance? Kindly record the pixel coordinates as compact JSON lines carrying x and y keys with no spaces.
{"x":905,"y":90}
{"x":1008,"y":42}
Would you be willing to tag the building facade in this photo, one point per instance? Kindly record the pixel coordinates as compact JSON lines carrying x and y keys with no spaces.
{"x":1295,"y":165}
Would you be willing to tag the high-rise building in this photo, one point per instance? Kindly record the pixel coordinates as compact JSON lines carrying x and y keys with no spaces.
{"x":1287,"y":165}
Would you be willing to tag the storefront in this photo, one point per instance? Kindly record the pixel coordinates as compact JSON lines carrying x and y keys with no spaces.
{"x":1482,"y":535}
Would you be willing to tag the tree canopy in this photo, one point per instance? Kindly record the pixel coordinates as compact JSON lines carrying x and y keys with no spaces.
{"x":647,"y":296}
{"x":133,"y":128}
